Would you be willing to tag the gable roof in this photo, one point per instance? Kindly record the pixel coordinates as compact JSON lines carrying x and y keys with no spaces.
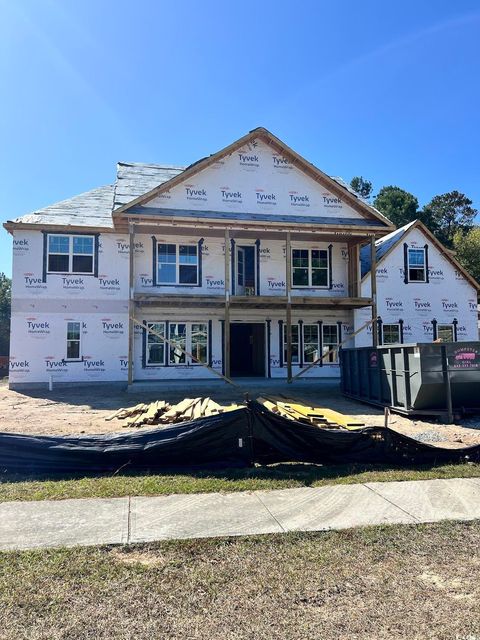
{"x":335,"y":186}
{"x":385,"y":245}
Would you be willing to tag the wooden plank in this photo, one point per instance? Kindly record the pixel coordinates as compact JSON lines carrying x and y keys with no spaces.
{"x":288,"y":326}
{"x":373,"y":283}
{"x":131,"y":305}
{"x":226,"y":331}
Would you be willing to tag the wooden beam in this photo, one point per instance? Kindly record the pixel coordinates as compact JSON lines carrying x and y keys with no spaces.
{"x":373,"y":280}
{"x":226,"y":349}
{"x":131,"y":304}
{"x":288,"y":325}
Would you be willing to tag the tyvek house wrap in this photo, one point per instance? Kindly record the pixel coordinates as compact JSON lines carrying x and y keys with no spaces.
{"x":42,"y":307}
{"x":447,"y":296}
{"x":256,"y":180}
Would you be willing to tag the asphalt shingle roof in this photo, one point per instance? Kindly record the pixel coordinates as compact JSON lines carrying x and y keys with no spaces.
{"x":382,"y":246}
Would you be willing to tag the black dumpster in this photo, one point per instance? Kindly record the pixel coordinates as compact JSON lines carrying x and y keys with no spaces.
{"x":421,"y":378}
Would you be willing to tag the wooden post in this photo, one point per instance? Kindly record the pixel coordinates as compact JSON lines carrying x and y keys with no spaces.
{"x":288,"y":324}
{"x":373,"y":281}
{"x":131,"y":303}
{"x":354,"y":258}
{"x":226,"y":350}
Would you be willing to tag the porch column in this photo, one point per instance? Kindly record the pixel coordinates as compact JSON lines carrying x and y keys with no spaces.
{"x":288,"y":325}
{"x":373,"y":280}
{"x":226,"y":350}
{"x":131,"y":303}
{"x":353,"y":270}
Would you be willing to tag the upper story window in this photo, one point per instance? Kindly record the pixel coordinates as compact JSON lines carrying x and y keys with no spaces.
{"x":416,"y":265}
{"x":391,"y":334}
{"x":70,"y":254}
{"x":177,"y":264}
{"x":310,"y":268}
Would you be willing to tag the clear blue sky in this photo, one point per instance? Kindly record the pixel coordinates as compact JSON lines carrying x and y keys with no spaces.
{"x":389,"y":90}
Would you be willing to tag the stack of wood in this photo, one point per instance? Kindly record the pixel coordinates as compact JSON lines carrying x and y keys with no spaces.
{"x":163,"y":413}
{"x":319,"y":416}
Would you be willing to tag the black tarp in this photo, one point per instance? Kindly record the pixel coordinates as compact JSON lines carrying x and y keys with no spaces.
{"x":234,"y":439}
{"x":276,"y":439}
{"x":220,"y":440}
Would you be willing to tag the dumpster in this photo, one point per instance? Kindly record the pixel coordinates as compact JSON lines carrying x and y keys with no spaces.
{"x":422,"y":378}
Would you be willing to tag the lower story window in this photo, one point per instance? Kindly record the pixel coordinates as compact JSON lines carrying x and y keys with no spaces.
{"x":154,"y":344}
{"x":445,"y":333}
{"x":311,"y":343}
{"x":391,"y":334}
{"x":330,"y":343}
{"x":183,"y":338}
{"x":73,"y":341}
{"x":295,"y":344}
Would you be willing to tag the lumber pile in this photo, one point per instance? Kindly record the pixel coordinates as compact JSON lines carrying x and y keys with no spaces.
{"x":319,"y":416}
{"x":163,"y":413}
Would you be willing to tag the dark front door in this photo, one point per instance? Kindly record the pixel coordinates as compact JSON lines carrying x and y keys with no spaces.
{"x":247,"y":349}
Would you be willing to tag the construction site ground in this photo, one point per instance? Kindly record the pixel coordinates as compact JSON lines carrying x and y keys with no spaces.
{"x":83,"y":409}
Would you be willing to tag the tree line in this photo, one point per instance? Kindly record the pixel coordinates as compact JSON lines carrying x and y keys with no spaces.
{"x":450,"y":216}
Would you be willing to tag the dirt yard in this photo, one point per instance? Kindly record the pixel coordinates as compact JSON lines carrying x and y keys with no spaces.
{"x":80,"y":410}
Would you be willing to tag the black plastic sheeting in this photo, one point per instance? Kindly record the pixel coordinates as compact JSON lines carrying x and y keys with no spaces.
{"x":234,"y":439}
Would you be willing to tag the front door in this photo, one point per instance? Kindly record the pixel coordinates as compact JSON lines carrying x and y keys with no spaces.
{"x":247,"y":349}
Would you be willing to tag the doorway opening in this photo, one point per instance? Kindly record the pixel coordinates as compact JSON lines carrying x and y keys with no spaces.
{"x":247,"y":349}
{"x":245,"y":270}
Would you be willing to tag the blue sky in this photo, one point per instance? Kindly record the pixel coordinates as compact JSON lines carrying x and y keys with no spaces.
{"x":388,"y":90}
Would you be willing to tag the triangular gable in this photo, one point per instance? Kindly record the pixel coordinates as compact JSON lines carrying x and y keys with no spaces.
{"x":387,"y":244}
{"x":257,"y":173}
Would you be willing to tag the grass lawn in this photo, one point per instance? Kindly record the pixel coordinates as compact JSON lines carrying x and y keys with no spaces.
{"x":280,"y":476}
{"x":415,"y":581}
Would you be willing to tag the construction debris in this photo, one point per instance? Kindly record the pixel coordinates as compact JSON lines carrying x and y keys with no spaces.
{"x":319,"y":416}
{"x":163,"y":413}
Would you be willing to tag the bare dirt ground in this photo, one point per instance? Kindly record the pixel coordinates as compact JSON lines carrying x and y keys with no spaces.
{"x":82,"y":410}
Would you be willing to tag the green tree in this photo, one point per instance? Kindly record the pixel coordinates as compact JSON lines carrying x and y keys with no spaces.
{"x":5,"y":309}
{"x":397,"y":205}
{"x":362,"y":186}
{"x":449,"y":213}
{"x":467,"y":249}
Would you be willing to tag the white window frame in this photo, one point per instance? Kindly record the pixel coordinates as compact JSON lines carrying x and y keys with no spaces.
{"x":150,"y":324}
{"x":189,"y":361}
{"x":178,"y":264}
{"x":450,"y":326}
{"x":297,"y":342}
{"x":409,"y":266}
{"x":324,"y":350}
{"x":310,"y":324}
{"x":70,"y":253}
{"x":391,"y":324}
{"x":320,"y":354}
{"x":80,"y":356}
{"x":310,"y":269}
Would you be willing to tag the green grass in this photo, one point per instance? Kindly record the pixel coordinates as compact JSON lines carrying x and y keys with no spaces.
{"x":409,"y":581}
{"x":280,"y":476}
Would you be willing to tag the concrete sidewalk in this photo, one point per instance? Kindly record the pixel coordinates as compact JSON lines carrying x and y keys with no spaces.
{"x":28,"y":525}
